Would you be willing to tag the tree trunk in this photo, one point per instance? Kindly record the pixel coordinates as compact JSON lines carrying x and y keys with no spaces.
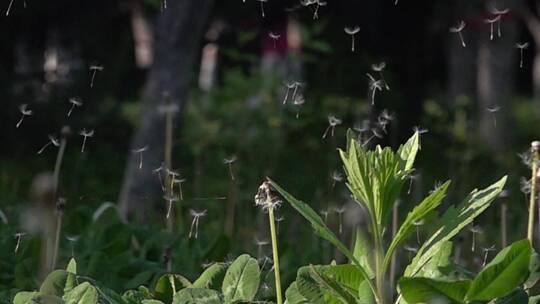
{"x":177,"y":37}
{"x":496,"y":65}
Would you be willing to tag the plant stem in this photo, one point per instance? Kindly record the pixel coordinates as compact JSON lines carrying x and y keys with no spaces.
{"x":504,"y":234}
{"x":56,"y":239}
{"x":275,"y":254}
{"x":534,"y":168}
{"x":56,"y":177}
{"x":168,"y":164}
{"x":394,"y":231}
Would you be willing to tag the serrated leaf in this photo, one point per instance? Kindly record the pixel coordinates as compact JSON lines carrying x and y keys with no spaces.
{"x":430,"y":203}
{"x":408,"y":151}
{"x":335,"y":288}
{"x":504,"y":273}
{"x":453,"y":220}
{"x":241,"y":280}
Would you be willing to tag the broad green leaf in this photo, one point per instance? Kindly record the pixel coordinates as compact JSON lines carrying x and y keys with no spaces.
{"x":55,"y":283}
{"x":197,"y":296}
{"x":167,"y":285}
{"x":519,"y":296}
{"x":24,"y":297}
{"x":504,"y":273}
{"x":335,"y":288}
{"x":292,"y":295}
{"x":424,"y":290}
{"x":362,"y":252}
{"x":308,"y":287}
{"x":212,"y":277}
{"x":439,"y":259}
{"x":321,"y":229}
{"x":151,"y":302}
{"x":241,"y":280}
{"x":46,"y":299}
{"x":534,"y":300}
{"x":453,"y":220}
{"x":82,"y":294}
{"x":137,"y":296}
{"x":430,"y":203}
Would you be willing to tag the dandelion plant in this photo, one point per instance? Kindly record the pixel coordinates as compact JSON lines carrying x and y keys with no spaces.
{"x":269,"y":202}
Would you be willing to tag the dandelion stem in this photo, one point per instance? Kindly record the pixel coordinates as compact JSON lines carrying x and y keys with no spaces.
{"x":534,"y":168}
{"x":275,"y":253}
{"x":462,"y":40}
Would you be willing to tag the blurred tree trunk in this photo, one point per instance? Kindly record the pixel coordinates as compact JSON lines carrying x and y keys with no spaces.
{"x":178,"y":34}
{"x":532,"y":21}
{"x":495,"y":79}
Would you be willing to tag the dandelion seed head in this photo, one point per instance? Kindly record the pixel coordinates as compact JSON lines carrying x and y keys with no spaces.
{"x":96,"y":67}
{"x":522,"y":45}
{"x":492,"y":20}
{"x":352,"y":30}
{"x":76,"y":101}
{"x":86,"y":133}
{"x":140,"y":150}
{"x":230,"y":160}
{"x":460,"y":26}
{"x":378,"y":67}
{"x":493,"y":109}
{"x":274,"y":35}
{"x":23,"y":108}
{"x":198,"y":214}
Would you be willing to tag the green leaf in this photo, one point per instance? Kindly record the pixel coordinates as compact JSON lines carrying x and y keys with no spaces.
{"x":534,"y":300}
{"x":241,"y":280}
{"x":430,"y":203}
{"x":519,"y":296}
{"x":408,"y":151}
{"x":151,"y":302}
{"x":167,"y":285}
{"x":321,"y":229}
{"x":24,"y":297}
{"x":506,"y":272}
{"x":56,"y":282}
{"x":212,"y":277}
{"x":72,"y":266}
{"x":424,"y":290}
{"x":308,"y":287}
{"x":197,"y":296}
{"x":46,"y":299}
{"x":292,"y":295}
{"x":82,"y":294}
{"x":534,"y":271}
{"x":362,"y":252}
{"x":439,"y":259}
{"x":453,"y":220}
{"x":331,"y":285}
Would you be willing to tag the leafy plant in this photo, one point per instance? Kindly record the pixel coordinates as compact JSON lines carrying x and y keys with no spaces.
{"x":375,"y":178}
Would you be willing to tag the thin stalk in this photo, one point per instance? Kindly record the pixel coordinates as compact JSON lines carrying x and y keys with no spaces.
{"x":275,"y":254}
{"x":56,"y":177}
{"x":534,"y":168}
{"x":504,"y":233}
{"x":394,"y":232}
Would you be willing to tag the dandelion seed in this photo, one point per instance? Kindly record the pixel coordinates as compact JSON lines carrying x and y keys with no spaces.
{"x":279,"y":219}
{"x":140,"y":151}
{"x":10,"y":4}
{"x":72,"y":239}
{"x":262,"y":7}
{"x":475,"y":230}
{"x":521,"y":46}
{"x":289,"y":86}
{"x":164,"y":5}
{"x":417,"y":225}
{"x":374,"y":86}
{"x":265,"y":199}
{"x":340,"y":212}
{"x":274,"y":37}
{"x":23,"y":108}
{"x":457,"y":29}
{"x":412,"y":177}
{"x":170,"y":200}
{"x":195,"y":222}
{"x":158,"y":172}
{"x":410,"y":249}
{"x":52,"y":140}
{"x":86,"y":134}
{"x":179,"y":182}
{"x":333,"y":122}
{"x":19,"y":237}
{"x":491,"y":23}
{"x":266,"y":260}
{"x":352,"y":31}
{"x":525,"y":185}
{"x":95,"y":69}
{"x":336,"y":178}
{"x":75,"y":102}
{"x":317,"y":3}
{"x":298,"y":102}
{"x":499,"y":13}
{"x":260,"y":244}
{"x":486,"y":253}
{"x":379,"y":68}
{"x":325,"y":213}
{"x":384,"y":119}
{"x":297,"y":85}
{"x":376,"y":133}
{"x":229,"y":161}
{"x":493,"y":111}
